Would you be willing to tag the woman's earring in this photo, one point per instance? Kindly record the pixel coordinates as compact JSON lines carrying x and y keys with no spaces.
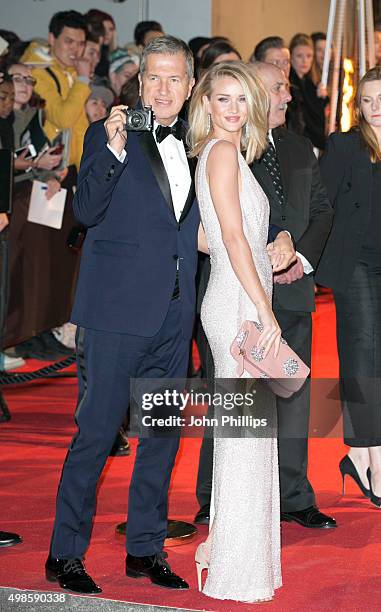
{"x":209,"y":126}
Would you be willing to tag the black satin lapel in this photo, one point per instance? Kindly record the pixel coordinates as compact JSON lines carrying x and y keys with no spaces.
{"x":148,"y":145}
{"x":283,"y":153}
{"x":259,"y":170}
{"x":192,"y":163}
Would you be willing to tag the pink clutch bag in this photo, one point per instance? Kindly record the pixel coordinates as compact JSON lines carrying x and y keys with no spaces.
{"x":287,"y":372}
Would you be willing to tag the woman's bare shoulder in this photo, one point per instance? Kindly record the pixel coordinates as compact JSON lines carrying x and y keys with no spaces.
{"x":223,"y":152}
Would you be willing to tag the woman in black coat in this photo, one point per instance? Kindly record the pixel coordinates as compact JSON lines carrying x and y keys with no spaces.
{"x":351,"y":266}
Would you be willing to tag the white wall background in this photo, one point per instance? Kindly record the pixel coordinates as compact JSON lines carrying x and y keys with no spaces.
{"x":182,"y":18}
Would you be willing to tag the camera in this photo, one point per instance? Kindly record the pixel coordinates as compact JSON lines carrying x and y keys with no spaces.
{"x":139,"y":120}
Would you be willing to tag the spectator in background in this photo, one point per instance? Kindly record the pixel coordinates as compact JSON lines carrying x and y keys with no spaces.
{"x":15,"y":49}
{"x":7,"y":98}
{"x":377,"y":42}
{"x":28,"y":129}
{"x":319,"y":42}
{"x":95,"y":26}
{"x":99,"y":103}
{"x":310,"y":98}
{"x":350,"y":266}
{"x":26,"y":262}
{"x":97,"y":21}
{"x":123,"y":67}
{"x":6,"y":142}
{"x":219,"y":51}
{"x":65,"y":84}
{"x":129,"y":94}
{"x":198,"y":45}
{"x":145,"y":31}
{"x":92,"y":52}
{"x":273,"y":50}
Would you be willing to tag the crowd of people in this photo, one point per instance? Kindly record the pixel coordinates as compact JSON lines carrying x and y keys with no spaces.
{"x":279,"y":205}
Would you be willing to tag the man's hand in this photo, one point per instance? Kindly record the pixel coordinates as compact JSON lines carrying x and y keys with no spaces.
{"x":83,"y":67}
{"x":293,"y":273}
{"x":3,"y":221}
{"x":281,"y":252}
{"x":114,"y":126}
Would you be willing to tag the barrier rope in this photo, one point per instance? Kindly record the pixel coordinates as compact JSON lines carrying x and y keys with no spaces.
{"x":15,"y":379}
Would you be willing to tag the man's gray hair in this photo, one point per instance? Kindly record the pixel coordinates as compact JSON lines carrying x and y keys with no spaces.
{"x":168,"y":45}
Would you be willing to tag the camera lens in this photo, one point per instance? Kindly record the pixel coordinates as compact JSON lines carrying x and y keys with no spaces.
{"x":136,"y":120}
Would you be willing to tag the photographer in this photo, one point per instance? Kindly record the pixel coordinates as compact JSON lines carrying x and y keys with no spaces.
{"x":141,"y":241}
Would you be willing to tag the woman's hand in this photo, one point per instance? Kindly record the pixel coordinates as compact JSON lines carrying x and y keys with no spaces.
{"x":21,"y":163}
{"x":321,"y":91}
{"x":54,"y":187}
{"x":271,"y":333}
{"x":48,"y":160}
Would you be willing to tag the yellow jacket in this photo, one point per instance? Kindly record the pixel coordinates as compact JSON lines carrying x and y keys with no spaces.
{"x":65,"y":110}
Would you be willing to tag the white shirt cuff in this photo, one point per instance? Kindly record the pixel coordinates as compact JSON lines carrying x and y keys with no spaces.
{"x":119,"y":156}
{"x":306,"y":264}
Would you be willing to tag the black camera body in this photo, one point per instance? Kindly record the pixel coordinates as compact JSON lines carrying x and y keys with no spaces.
{"x":140,"y":120}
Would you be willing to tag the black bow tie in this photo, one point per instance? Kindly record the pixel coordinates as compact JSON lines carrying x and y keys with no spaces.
{"x":162,"y":131}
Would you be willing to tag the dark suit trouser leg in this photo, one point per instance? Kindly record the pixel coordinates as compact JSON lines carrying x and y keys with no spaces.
{"x":155,"y":457}
{"x":293,"y":419}
{"x":106,"y":363}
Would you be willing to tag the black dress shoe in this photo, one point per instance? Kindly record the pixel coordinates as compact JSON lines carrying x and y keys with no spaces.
{"x":203,"y":516}
{"x":71,"y":575}
{"x":309,"y":517}
{"x":9,"y":539}
{"x":156,"y":568}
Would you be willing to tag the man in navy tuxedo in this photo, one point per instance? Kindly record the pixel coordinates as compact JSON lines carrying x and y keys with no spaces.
{"x":134,"y":309}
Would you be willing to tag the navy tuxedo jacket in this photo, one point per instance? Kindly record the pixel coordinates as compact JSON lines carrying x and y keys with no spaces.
{"x":133,"y":242}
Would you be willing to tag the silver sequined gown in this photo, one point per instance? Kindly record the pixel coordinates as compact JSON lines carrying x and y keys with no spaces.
{"x":245,"y":554}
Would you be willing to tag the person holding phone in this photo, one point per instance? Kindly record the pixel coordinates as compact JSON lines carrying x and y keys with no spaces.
{"x":35,"y":153}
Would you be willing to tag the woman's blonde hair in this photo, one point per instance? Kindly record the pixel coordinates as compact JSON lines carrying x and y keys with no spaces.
{"x":254,"y":132}
{"x":366,"y":133}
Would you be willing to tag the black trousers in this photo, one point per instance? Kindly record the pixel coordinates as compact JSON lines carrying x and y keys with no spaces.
{"x":293,"y":422}
{"x":293,"y":418}
{"x":358,"y":321}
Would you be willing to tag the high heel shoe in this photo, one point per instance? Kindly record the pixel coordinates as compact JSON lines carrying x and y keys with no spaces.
{"x":375,"y":500}
{"x":202,"y":562}
{"x":348,"y":468}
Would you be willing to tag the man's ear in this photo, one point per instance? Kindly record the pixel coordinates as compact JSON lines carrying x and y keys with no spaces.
{"x":191,"y":85}
{"x":140,"y":83}
{"x":51,"y":39}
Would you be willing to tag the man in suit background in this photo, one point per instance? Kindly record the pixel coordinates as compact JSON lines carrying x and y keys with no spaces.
{"x":288,"y":173}
{"x":134,"y":309}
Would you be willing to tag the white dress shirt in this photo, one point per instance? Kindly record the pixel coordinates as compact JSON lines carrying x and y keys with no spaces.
{"x":175,"y":162}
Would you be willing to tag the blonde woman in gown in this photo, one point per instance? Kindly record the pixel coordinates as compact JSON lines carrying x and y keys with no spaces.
{"x":228,"y":113}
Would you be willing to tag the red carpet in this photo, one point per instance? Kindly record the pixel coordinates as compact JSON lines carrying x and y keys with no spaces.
{"x":325,"y":570}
